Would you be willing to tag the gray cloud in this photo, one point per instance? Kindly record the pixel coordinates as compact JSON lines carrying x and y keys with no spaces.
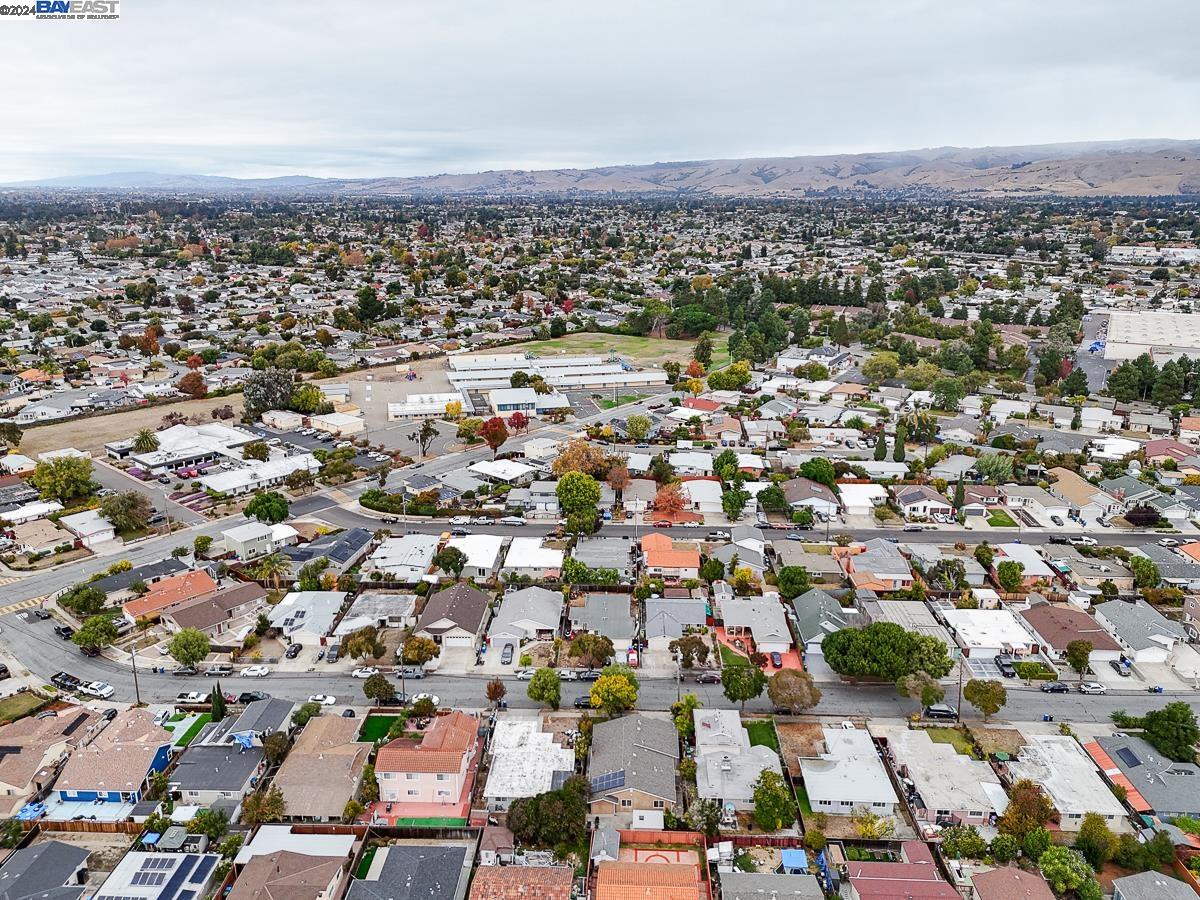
{"x":404,"y":88}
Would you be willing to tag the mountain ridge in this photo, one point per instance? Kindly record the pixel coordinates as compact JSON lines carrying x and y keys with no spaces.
{"x":1144,"y":167}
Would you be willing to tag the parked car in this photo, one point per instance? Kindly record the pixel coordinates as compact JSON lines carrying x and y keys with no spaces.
{"x":40,"y":613}
{"x":1168,"y":542}
{"x":589,"y":675}
{"x":184,"y":671}
{"x":1055,"y":687}
{"x":707,"y":678}
{"x":525,"y":674}
{"x":219,"y":670}
{"x":108,"y":715}
{"x":66,"y":632}
{"x":1005,"y":666}
{"x":512,"y":520}
{"x":568,"y":674}
{"x":913,"y":528}
{"x":4,"y":673}
{"x":292,"y":651}
{"x":1092,"y":687}
{"x":323,"y":699}
{"x":252,"y":696}
{"x":412,"y":672}
{"x":364,"y":672}
{"x":397,"y":699}
{"x":460,"y":520}
{"x":631,"y":657}
{"x":433,"y":698}
{"x":255,"y":672}
{"x":64,"y":680}
{"x":191,"y":698}
{"x":941,"y":711}
{"x":777,"y":659}
{"x":584,"y":702}
{"x":1120,"y":668}
{"x":459,"y":532}
{"x":718,"y":535}
{"x":1081,"y":541}
{"x":1057,"y":521}
{"x":506,"y":655}
{"x":333,"y":654}
{"x":101,"y":689}
{"x":90,"y":651}
{"x":662,"y":523}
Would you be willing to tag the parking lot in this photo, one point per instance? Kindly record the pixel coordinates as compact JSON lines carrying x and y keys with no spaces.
{"x":309,"y":443}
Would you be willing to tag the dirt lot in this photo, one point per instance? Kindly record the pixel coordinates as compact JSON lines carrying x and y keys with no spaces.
{"x":94,"y":432}
{"x":995,"y":739}
{"x":799,"y":739}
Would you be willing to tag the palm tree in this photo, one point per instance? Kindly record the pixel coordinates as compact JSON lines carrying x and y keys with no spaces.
{"x":271,"y":568}
{"x":145,"y":442}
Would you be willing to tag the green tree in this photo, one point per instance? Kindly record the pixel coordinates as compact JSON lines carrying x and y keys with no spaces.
{"x":1095,"y":841}
{"x":363,"y":642}
{"x":881,"y":447}
{"x":712,"y":570}
{"x":725,"y":466}
{"x":682,"y":714}
{"x":986,"y":695}
{"x":418,"y":650}
{"x":638,"y":426}
{"x":793,"y":581}
{"x":921,"y":686}
{"x":202,"y":544}
{"x":898,"y":453}
{"x":307,"y":711}
{"x":773,"y":804}
{"x":1145,"y":572}
{"x":793,"y":690}
{"x":214,"y":824}
{"x":377,"y":687}
{"x":83,"y":600}
{"x":1005,"y":848}
{"x":1028,"y":809}
{"x":63,"y":478}
{"x":270,"y":507}
{"x":1173,"y":731}
{"x":614,"y":693}
{"x":881,"y":367}
{"x":96,"y":631}
{"x":742,"y":683}
{"x":451,"y":560}
{"x":820,"y":471}
{"x":885,"y":650}
{"x":216,"y":699}
{"x":189,"y":646}
{"x":545,"y":688}
{"x":1036,"y":842}
{"x":128,"y":510}
{"x":1079,"y":656}
{"x":733,"y":503}
{"x":1010,"y":574}
{"x":962,"y":842}
{"x":994,"y":467}
{"x":1064,"y":869}
{"x":590,"y":649}
{"x":985,"y":555}
{"x":577,"y":492}
{"x":268,"y":389}
{"x":256,"y":450}
{"x":264,"y":806}
{"x":145,"y":441}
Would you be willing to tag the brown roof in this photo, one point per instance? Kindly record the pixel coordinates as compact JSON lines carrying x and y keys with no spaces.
{"x":1059,"y":625}
{"x":1011,"y":883}
{"x":284,"y":875}
{"x":462,"y":604}
{"x":119,"y":758}
{"x":323,"y":768}
{"x":26,"y":742}
{"x":171,"y":591}
{"x":646,"y":881}
{"x":441,"y":749}
{"x":206,"y":612}
{"x":522,"y":883}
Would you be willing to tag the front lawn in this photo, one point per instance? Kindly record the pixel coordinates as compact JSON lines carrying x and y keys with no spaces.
{"x":730,"y":657}
{"x":190,"y":735}
{"x":621,"y":401}
{"x":19,"y":705}
{"x":376,"y":727}
{"x":957,"y":739}
{"x":762,"y":733}
{"x":1000,"y":519}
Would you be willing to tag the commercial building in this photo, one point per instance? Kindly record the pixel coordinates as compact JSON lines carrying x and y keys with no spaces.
{"x":570,"y":372}
{"x":428,"y":406}
{"x":1163,"y":335}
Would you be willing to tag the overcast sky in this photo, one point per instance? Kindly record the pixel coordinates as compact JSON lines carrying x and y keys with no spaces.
{"x":343,"y":88}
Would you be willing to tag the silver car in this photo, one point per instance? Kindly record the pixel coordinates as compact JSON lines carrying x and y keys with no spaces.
{"x":1092,"y":687}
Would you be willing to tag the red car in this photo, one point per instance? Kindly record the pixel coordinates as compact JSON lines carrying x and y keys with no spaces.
{"x":662,"y":523}
{"x":631,"y":657}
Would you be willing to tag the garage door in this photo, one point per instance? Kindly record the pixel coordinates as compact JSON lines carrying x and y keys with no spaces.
{"x":458,"y":641}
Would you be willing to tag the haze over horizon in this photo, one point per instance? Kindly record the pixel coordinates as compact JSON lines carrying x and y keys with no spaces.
{"x":383,"y":91}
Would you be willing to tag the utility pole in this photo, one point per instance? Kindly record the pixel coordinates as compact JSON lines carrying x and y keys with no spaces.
{"x":958,"y":708}
{"x":137,"y":693}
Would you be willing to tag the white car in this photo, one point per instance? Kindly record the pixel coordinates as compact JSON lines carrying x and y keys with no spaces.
{"x":525,"y":675}
{"x":1092,"y":687}
{"x":364,"y":672}
{"x":1168,"y":542}
{"x":568,"y":674}
{"x":255,"y":672}
{"x":101,"y":689}
{"x":460,"y":520}
{"x":433,"y":698}
{"x":1081,"y":541}
{"x":691,"y":525}
{"x":323,"y":699}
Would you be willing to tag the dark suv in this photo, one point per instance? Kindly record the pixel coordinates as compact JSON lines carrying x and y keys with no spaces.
{"x":1005,"y":666}
{"x":941,"y":711}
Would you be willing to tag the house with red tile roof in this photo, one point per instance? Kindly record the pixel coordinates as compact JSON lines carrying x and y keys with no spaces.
{"x":670,"y":560}
{"x":917,"y":878}
{"x":522,"y":883}
{"x":431,"y":772}
{"x":648,"y":881}
{"x":172,"y":591}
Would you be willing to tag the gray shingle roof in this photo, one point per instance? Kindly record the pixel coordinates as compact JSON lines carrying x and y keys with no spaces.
{"x":645,"y":749}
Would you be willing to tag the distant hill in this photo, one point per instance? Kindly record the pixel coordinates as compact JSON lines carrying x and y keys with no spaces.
{"x":1125,"y":168}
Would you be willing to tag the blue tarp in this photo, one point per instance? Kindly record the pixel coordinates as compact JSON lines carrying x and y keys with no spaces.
{"x":245,"y":738}
{"x":151,"y":838}
{"x":31,"y":811}
{"x":795,"y":860}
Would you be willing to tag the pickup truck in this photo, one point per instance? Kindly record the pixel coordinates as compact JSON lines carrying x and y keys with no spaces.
{"x":191,"y":697}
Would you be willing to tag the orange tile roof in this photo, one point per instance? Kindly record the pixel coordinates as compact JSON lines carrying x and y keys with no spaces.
{"x":1109,"y":768}
{"x":172,"y":590}
{"x":1192,"y":550}
{"x":522,"y":883}
{"x":441,"y":749}
{"x":646,"y":881}
{"x":661,"y":553}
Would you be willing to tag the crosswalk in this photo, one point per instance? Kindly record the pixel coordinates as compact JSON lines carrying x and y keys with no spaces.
{"x":17,"y":607}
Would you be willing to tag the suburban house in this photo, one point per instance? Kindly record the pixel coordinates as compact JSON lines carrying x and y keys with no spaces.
{"x":920,"y":501}
{"x":529,"y":557}
{"x":668,"y":618}
{"x":761,"y":618}
{"x":1039,"y":503}
{"x":1087,"y":502}
{"x":306,"y":617}
{"x":1010,"y":883}
{"x":526,"y":761}
{"x":631,"y":765}
{"x":232,"y":609}
{"x":1152,"y":782}
{"x":48,"y":870}
{"x":36,"y":748}
{"x":803,"y":492}
{"x":524,"y":882}
{"x":877,"y":565}
{"x":528,"y":614}
{"x":670,"y":560}
{"x":174,"y":590}
{"x":1062,"y":769}
{"x":727,"y":766}
{"x":848,"y":776}
{"x":454,"y":616}
{"x":294,"y":876}
{"x":434,"y":771}
{"x":917,"y":876}
{"x":406,"y":559}
{"x":483,"y":552}
{"x":1054,"y":626}
{"x":1034,"y":569}
{"x":116,"y":766}
{"x":323,"y":769}
{"x":604,"y":614}
{"x":1145,"y":634}
{"x":1151,"y":886}
{"x":606,"y":553}
{"x":989,"y":632}
{"x":944,"y":787}
{"x":817,"y":614}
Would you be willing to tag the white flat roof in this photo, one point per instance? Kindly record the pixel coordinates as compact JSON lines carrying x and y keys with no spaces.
{"x":524,"y":760}
{"x":849,"y":771}
{"x":987,"y":628}
{"x":528,"y":553}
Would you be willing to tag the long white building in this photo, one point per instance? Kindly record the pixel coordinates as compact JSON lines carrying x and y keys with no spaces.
{"x":496,"y":371}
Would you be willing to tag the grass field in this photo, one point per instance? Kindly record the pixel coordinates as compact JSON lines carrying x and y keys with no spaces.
{"x":952,"y":736}
{"x":364,"y":865}
{"x":621,"y":401}
{"x":190,"y":735}
{"x":802,"y":799}
{"x":19,"y":705}
{"x":732,"y":658}
{"x":762,"y":733}
{"x":1000,"y":519}
{"x":375,"y":727}
{"x":642,"y":351}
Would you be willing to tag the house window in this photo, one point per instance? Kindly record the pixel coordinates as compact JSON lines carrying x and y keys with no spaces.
{"x":942,"y":813}
{"x":626,"y":803}
{"x":414,"y":793}
{"x":442,"y":776}
{"x":659,"y":804}
{"x":411,"y":776}
{"x":824,"y":803}
{"x":443,"y":793}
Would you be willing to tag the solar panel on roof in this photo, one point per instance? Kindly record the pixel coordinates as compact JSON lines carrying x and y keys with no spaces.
{"x":177,"y":879}
{"x":609,"y":781}
{"x":79,"y":720}
{"x":1128,"y":757}
{"x":202,"y":869}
